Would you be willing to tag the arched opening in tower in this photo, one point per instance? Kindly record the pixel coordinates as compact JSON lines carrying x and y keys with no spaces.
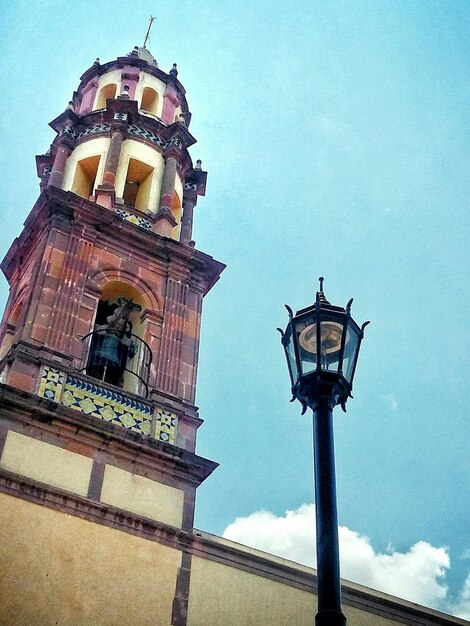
{"x":116,"y":351}
{"x":149,"y":102}
{"x":85,"y":176}
{"x":108,"y":92}
{"x":138,"y":185}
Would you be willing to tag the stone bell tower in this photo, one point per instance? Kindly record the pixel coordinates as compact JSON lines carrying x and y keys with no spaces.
{"x":100,"y":336}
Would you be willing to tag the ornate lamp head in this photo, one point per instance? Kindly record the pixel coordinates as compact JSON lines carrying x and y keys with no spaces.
{"x":322,"y":344}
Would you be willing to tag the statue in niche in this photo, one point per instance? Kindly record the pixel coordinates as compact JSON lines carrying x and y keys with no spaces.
{"x":112,"y":345}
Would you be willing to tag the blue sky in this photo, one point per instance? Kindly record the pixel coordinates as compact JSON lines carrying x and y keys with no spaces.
{"x":336,"y":138}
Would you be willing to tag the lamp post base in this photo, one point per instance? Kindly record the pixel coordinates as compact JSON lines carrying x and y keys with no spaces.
{"x":330,"y":618}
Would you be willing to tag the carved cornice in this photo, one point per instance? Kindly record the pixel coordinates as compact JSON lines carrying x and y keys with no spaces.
{"x":64,"y":208}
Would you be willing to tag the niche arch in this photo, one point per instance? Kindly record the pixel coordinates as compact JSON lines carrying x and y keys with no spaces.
{"x":97,"y":281}
{"x":108,"y":92}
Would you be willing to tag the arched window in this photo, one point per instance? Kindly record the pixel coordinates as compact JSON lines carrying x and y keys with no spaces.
{"x":85,"y":176}
{"x":116,"y":351}
{"x":149,"y":102}
{"x":108,"y":92}
{"x":138,"y":185}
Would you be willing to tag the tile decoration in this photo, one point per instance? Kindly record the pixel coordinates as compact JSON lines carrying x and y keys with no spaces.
{"x":104,"y":128}
{"x":166,"y":423}
{"x":149,"y":136}
{"x":51,"y":383}
{"x":175,"y":141}
{"x":146,"y":134}
{"x":116,"y":407}
{"x":94,"y":130}
{"x":67,"y":131}
{"x":138,"y":220}
{"x":112,"y":406}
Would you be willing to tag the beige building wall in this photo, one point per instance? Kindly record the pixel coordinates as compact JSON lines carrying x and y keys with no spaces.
{"x":61,"y":569}
{"x":56,"y":466}
{"x":46,"y":463}
{"x":142,"y":496}
{"x":220,"y":594}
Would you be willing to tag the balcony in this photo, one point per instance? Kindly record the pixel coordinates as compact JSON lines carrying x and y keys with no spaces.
{"x":117,"y":358}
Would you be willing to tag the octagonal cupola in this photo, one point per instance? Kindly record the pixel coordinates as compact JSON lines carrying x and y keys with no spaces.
{"x":123,"y":143}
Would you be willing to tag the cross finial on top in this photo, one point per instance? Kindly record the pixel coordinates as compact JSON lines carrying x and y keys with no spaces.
{"x":151,"y":21}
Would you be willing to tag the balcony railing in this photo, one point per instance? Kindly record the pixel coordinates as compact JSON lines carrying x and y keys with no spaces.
{"x":118,"y":358}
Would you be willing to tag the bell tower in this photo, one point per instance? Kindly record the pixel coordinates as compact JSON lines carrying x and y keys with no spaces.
{"x":105,"y":281}
{"x":100,"y":336}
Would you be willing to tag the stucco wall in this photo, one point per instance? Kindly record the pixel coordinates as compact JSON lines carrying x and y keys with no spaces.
{"x":226,"y":595}
{"x":56,"y":466}
{"x":142,"y":496}
{"x":60,"y":569}
{"x":46,"y":463}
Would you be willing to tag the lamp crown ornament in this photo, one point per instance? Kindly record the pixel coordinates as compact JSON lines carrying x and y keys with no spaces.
{"x":321,"y":343}
{"x":320,"y":293}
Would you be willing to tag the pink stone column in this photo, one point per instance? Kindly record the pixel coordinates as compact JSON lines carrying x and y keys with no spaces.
{"x":187,"y":219}
{"x":112,"y":158}
{"x":105,"y":194}
{"x":164,"y":220}
{"x":58,"y":168}
{"x":168,"y":183}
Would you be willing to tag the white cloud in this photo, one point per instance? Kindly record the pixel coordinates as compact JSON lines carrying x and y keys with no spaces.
{"x":415,"y":575}
{"x":461,"y":608}
{"x":390,"y":401}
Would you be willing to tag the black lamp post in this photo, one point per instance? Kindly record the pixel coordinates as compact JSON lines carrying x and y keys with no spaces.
{"x":322,"y":344}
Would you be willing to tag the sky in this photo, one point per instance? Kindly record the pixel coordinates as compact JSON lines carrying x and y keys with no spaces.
{"x":336,"y":138}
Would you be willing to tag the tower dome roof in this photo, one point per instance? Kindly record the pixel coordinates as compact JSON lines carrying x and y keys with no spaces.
{"x":144,"y":55}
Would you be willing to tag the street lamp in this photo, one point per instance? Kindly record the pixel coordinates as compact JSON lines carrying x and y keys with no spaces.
{"x":322,"y":344}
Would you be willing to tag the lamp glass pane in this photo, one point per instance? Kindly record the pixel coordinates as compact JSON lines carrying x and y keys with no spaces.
{"x":350,"y":351}
{"x":331,"y":335}
{"x":290,"y":354}
{"x":305,"y":330}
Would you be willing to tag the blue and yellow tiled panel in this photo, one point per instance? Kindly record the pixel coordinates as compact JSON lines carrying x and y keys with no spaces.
{"x":138,"y":220}
{"x":51,"y":383}
{"x":165,"y":426}
{"x":112,"y":406}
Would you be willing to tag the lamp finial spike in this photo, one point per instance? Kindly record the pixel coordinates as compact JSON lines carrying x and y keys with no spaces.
{"x":320,"y":294}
